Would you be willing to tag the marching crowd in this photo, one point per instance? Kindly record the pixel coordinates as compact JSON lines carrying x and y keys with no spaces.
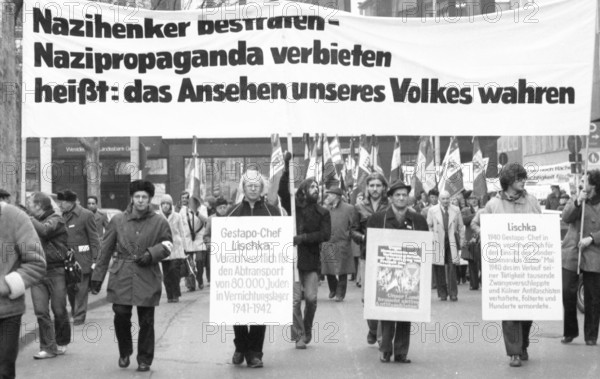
{"x":146,"y":248}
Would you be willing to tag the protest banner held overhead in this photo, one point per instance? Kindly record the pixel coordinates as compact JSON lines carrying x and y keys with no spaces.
{"x":286,"y":66}
{"x":521,"y":267}
{"x":398,"y":275}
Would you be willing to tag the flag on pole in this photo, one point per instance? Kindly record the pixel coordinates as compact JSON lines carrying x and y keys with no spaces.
{"x":424,"y":173}
{"x":479,"y":182}
{"x":306,"y":142}
{"x":349,"y":166}
{"x":336,"y":151}
{"x":329,"y":171}
{"x":364,"y":163}
{"x":276,"y":168}
{"x":315,"y":165}
{"x":452,"y":177}
{"x":375,"y":161}
{"x":194,"y":173}
{"x":396,"y":166}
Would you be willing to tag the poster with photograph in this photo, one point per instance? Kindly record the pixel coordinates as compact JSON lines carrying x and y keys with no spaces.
{"x":398,"y":275}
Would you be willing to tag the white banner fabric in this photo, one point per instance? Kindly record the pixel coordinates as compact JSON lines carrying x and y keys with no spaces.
{"x":92,"y":69}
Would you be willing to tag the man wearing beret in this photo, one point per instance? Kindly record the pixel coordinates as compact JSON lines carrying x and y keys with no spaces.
{"x":140,"y":238}
{"x":84,"y":242}
{"x":395,"y":335}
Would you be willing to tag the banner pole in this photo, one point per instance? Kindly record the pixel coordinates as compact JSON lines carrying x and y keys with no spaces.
{"x":291,"y":182}
{"x":587,"y":152}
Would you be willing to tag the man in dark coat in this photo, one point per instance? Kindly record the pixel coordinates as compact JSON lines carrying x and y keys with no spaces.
{"x":336,"y":254}
{"x":51,"y":291}
{"x":375,"y":201}
{"x":249,"y":339}
{"x":313,"y":226}
{"x":84,"y":241}
{"x":141,"y":239}
{"x":395,"y":335}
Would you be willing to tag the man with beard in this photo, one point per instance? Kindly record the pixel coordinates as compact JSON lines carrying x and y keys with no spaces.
{"x":375,"y":201}
{"x":52,"y":289}
{"x":512,"y":199}
{"x":313,"y":226}
{"x":84,"y":241}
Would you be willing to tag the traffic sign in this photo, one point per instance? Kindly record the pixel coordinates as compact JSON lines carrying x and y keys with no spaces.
{"x":575,"y":158}
{"x":574,"y":144}
{"x":595,"y":134}
{"x":594,"y":157}
{"x":502,"y":158}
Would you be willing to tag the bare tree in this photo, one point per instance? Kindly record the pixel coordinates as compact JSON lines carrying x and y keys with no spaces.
{"x":93,"y":169}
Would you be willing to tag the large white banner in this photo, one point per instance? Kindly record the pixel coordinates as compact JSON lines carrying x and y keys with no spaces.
{"x":398,"y":275}
{"x":252,"y":270}
{"x":243,"y":71}
{"x":521,"y":267}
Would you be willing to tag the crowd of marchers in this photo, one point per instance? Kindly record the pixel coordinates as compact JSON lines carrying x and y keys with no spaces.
{"x":143,"y":249}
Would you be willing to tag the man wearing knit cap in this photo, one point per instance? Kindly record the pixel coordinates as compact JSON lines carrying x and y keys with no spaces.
{"x":84,"y":242}
{"x":140,"y":239}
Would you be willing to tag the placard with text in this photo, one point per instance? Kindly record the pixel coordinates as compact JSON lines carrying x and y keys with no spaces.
{"x":398,"y":275}
{"x":252,"y":270}
{"x":521,"y":267}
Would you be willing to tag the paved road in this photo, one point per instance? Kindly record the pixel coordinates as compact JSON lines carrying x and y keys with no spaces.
{"x":455,"y":344}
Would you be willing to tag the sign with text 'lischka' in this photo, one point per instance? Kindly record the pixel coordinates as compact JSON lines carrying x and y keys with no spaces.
{"x":398,"y":275}
{"x":252,"y":267}
{"x":96,"y":69}
{"x":521,"y":272}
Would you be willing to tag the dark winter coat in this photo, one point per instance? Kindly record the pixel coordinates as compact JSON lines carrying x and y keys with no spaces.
{"x":130,"y":237}
{"x":261,"y":208}
{"x":83,"y":236}
{"x":590,"y":256}
{"x":23,"y":263}
{"x":313,"y":226}
{"x":336,"y":254}
{"x":51,"y":229}
{"x":386,"y":219}
{"x":365,"y":210}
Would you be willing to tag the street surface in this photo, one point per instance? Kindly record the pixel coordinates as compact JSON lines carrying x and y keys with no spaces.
{"x":455,"y":344}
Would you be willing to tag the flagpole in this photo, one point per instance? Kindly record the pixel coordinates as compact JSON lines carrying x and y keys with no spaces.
{"x":587,"y":153}
{"x":291,"y":182}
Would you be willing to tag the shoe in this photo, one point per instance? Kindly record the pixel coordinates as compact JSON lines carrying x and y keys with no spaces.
{"x":339,"y":299}
{"x":444,"y":298}
{"x":401,"y":359}
{"x":143,"y":367}
{"x":191,"y":289}
{"x":61,"y":350}
{"x":453,"y":298}
{"x":384,"y":357}
{"x":169,"y":300}
{"x":238,"y":358}
{"x":256,"y":362}
{"x":78,"y":322}
{"x":331,"y":295}
{"x":175,"y":300}
{"x":124,"y":361}
{"x":371,"y":338}
{"x":201,"y":287}
{"x":590,"y":342}
{"x":524,"y":355}
{"x":44,"y":355}
{"x":300,"y":344}
{"x":307,"y":338}
{"x":358,"y":284}
{"x":566,"y":340}
{"x":515,"y":361}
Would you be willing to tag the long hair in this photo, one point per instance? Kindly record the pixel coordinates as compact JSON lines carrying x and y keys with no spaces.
{"x":302,"y":193}
{"x":511,"y":174}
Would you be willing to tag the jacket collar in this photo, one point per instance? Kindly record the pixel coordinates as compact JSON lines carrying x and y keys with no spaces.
{"x":390,"y":218}
{"x":383,"y":204}
{"x":45,"y":215}
{"x":76,"y":211}
{"x":131,"y":216}
{"x":513,"y":199}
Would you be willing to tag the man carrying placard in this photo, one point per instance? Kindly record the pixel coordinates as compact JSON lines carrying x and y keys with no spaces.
{"x":512,"y":199}
{"x":396,"y":334}
{"x":249,"y":339}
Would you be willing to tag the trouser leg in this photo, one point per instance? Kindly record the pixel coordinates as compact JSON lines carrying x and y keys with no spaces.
{"x":342,"y":285}
{"x":122,"y":323}
{"x":591,"y":293}
{"x":146,"y":335}
{"x":570,"y":282}
{"x":10,"y":328}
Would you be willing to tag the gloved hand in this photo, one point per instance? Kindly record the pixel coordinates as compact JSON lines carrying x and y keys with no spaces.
{"x":4,"y":288}
{"x":168,"y":245}
{"x":96,"y":286}
{"x":144,"y":260}
{"x":287,"y":156}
